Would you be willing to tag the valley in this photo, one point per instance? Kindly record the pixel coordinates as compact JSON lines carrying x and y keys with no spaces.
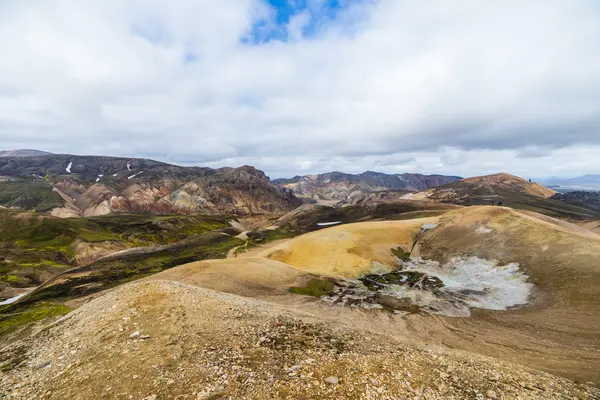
{"x":220,"y":283}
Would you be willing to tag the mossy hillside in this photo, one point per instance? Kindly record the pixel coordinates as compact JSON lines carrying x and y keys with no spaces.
{"x":14,"y":317}
{"x":117,"y":270}
{"x":314,"y":287}
{"x":307,"y":222}
{"x":31,"y":244}
{"x":39,"y":232}
{"x":28,"y":195}
{"x":262,"y":236}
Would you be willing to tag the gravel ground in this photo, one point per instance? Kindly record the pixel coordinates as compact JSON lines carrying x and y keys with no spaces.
{"x":165,"y":340}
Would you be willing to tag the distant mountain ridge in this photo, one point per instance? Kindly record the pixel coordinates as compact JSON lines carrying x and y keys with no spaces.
{"x":23,"y":153}
{"x":340,"y":186}
{"x":75,"y":186}
{"x":510,"y":190}
{"x":589,"y":180}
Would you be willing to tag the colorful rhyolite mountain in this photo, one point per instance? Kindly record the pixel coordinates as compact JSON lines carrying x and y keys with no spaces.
{"x":75,"y":186}
{"x":341,"y":186}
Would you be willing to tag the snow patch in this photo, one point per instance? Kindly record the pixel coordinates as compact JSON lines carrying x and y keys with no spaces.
{"x":128,"y":167}
{"x":115,"y":174}
{"x":68,"y":169}
{"x":134,"y":175}
{"x":12,"y":299}
{"x":328,"y":223}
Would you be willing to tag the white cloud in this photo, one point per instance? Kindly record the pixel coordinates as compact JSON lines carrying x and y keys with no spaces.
{"x":465,"y":87}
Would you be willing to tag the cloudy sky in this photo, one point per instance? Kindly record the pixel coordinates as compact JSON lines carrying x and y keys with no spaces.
{"x":462,"y":87}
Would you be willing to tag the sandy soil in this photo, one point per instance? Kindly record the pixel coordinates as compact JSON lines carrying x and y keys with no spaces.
{"x":250,"y":277}
{"x":592,"y":226}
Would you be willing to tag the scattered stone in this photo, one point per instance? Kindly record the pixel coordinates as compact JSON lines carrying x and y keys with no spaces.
{"x":45,"y":364}
{"x":332,"y":380}
{"x":134,"y":335}
{"x":491,"y":394}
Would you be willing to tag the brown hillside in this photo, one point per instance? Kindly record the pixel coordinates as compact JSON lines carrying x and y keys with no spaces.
{"x":514,"y":182}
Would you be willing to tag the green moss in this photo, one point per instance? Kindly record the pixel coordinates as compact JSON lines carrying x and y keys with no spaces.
{"x":401,"y":254}
{"x":9,"y":278}
{"x":128,"y":267}
{"x":34,"y":242}
{"x":28,"y":195}
{"x":263,"y":236}
{"x":12,"y":317}
{"x":314,"y":287}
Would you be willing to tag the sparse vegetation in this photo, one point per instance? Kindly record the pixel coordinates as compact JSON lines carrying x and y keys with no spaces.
{"x":110,"y":272}
{"x":401,"y":254}
{"x":28,"y":195}
{"x":263,"y":236}
{"x":14,"y":317}
{"x":314,"y":287}
{"x":33,"y":247}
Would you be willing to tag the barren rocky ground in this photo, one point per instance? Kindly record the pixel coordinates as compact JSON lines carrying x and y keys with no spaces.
{"x":167,"y":340}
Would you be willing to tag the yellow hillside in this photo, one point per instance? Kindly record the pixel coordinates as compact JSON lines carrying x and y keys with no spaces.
{"x":348,"y":250}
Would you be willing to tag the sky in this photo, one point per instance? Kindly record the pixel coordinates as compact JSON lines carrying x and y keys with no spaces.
{"x":293,"y":87}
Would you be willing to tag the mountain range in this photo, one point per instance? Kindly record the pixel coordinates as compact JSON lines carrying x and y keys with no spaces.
{"x":341,"y":186}
{"x":66,"y":185}
{"x":80,"y":186}
{"x":74,"y":186}
{"x":508,"y":190}
{"x":589,"y":182}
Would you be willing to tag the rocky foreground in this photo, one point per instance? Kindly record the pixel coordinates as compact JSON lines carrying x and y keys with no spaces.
{"x":165,"y":340}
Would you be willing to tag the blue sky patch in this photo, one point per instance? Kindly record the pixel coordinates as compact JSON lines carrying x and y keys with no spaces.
{"x":319,"y":14}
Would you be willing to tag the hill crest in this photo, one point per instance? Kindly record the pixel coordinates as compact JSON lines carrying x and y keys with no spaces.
{"x":505,"y":179}
{"x":23,"y":153}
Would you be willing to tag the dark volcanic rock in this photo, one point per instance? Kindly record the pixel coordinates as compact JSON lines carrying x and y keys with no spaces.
{"x":590,"y":200}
